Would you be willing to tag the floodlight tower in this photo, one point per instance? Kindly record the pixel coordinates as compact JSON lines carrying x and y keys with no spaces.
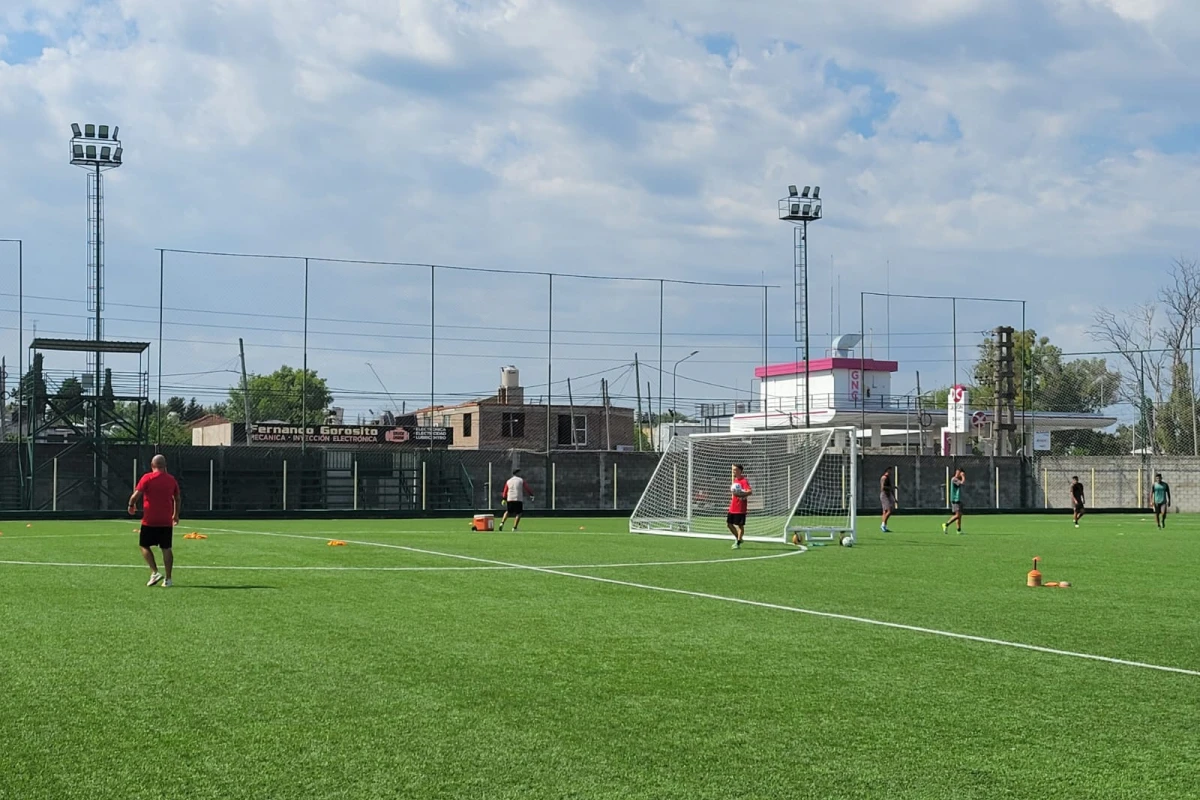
{"x":97,"y":149}
{"x":801,"y":208}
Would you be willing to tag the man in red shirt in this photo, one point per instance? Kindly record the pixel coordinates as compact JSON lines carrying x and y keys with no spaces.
{"x":159,"y":493}
{"x":740,"y":490}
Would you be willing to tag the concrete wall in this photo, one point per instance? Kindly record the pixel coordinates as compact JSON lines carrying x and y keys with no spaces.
{"x":1118,"y":482}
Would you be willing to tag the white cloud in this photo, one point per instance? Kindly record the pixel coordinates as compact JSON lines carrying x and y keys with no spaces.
{"x":1027,"y":149}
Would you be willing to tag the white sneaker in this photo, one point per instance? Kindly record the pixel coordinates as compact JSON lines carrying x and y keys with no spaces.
{"x":155,"y":578}
{"x":737,"y":545}
{"x":167,"y":583}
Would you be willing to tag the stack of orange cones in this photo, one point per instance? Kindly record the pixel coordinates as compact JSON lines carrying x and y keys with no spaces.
{"x":194,"y":535}
{"x":336,"y":543}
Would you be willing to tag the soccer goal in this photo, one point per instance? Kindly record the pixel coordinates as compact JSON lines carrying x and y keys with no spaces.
{"x":804,"y":480}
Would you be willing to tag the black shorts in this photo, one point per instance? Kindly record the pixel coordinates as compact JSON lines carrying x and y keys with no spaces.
{"x":956,"y":508}
{"x":1078,"y":505}
{"x":1160,"y":508}
{"x":887,"y":502}
{"x":515,"y":507}
{"x":736,"y":519}
{"x":156,"y":536}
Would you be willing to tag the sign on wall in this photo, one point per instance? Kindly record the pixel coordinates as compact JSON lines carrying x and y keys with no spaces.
{"x":855,"y":385}
{"x":1041,"y":441}
{"x":956,"y":412}
{"x":352,"y":434}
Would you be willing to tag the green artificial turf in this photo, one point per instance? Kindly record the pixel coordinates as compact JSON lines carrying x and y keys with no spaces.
{"x":375,"y":682}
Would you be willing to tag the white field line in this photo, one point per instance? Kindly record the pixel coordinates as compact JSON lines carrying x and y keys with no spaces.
{"x":478,"y":568}
{"x":792,"y":609}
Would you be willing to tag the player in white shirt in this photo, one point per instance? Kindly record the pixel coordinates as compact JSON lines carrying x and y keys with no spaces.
{"x":514,"y":493}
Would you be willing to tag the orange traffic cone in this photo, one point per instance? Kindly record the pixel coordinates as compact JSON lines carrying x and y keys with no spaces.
{"x":1034,"y":578}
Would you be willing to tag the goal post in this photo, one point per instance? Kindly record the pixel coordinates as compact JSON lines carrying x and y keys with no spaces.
{"x":804,"y":481}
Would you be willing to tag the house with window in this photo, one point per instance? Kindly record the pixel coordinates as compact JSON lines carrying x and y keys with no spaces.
{"x":506,"y":421}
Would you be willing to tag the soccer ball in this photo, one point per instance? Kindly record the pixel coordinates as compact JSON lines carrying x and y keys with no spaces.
{"x":735,"y":488}
{"x":847,"y":541}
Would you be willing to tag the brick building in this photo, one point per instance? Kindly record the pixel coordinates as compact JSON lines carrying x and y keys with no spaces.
{"x":505,"y":421}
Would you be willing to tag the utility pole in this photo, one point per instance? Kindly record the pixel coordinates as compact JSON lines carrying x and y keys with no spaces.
{"x":650,"y":396}
{"x":571,"y":413}
{"x":607,"y":426}
{"x":245,"y":387}
{"x":637,"y":382}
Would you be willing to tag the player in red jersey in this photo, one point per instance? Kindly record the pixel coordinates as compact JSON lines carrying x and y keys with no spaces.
{"x":740,"y":491}
{"x":159,"y":492}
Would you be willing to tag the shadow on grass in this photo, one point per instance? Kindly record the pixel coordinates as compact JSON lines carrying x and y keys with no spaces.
{"x":225,"y":588}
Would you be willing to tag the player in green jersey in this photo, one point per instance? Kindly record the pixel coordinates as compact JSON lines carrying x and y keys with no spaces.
{"x":1161,"y":495}
{"x":956,"y":484}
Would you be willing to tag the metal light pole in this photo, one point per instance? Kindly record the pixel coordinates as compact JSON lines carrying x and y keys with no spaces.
{"x":674,"y":395}
{"x":20,"y":356}
{"x":97,"y":149}
{"x":801,"y":208}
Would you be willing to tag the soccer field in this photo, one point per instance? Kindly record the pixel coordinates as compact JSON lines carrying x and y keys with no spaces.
{"x":574,"y":660}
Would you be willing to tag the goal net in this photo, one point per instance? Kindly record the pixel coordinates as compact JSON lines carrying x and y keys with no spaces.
{"x":804,"y":481}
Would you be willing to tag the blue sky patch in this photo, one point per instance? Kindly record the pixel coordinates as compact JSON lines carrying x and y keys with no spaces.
{"x":879,"y":102}
{"x":719,"y":44}
{"x":1183,"y":139}
{"x":23,"y":47}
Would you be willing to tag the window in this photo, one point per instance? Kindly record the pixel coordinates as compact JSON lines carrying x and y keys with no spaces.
{"x":466,"y":425}
{"x":564,"y":430}
{"x":512,"y":425}
{"x":445,"y":421}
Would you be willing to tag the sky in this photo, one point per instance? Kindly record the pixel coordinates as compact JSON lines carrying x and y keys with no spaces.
{"x":1038,"y":150}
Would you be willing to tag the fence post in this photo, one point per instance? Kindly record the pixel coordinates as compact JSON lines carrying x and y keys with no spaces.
{"x":211,"y":475}
{"x":54,"y":485}
{"x":614,"y":486}
{"x":424,"y":496}
{"x":1045,"y":487}
{"x":1093,"y":487}
{"x":553,"y":486}
{"x":487,"y":501}
{"x":896,"y":480}
{"x":997,"y":487}
{"x":356,"y":484}
{"x":135,"y":475}
{"x":1138,"y":501}
{"x":947,"y":488}
{"x":285,"y":484}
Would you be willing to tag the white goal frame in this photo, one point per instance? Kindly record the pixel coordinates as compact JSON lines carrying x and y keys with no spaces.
{"x":790,"y":530}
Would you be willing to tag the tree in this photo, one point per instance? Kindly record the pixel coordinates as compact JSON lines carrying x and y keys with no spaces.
{"x":32,"y":389}
{"x":1154,"y":341}
{"x":194,"y":411}
{"x":107,"y":398}
{"x":176,"y":406}
{"x":282,"y":396}
{"x":1045,"y":382}
{"x":70,"y":398}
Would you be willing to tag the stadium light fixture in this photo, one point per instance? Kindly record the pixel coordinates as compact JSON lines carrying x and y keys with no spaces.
{"x":805,"y":192}
{"x":75,"y":130}
{"x":793,"y":191}
{"x":816,"y":193}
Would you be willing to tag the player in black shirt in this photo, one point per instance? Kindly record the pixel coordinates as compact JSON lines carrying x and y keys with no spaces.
{"x":1077,"y":498}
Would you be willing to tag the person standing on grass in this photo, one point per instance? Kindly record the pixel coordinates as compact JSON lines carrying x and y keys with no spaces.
{"x":1076,"y":498}
{"x":513,"y":496}
{"x":887,"y":498}
{"x":956,"y":484}
{"x":159,"y":493}
{"x":1160,"y":493}
{"x":738,"y":504}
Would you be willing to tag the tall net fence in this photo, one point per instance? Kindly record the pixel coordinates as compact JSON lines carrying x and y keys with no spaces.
{"x":412,"y":372}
